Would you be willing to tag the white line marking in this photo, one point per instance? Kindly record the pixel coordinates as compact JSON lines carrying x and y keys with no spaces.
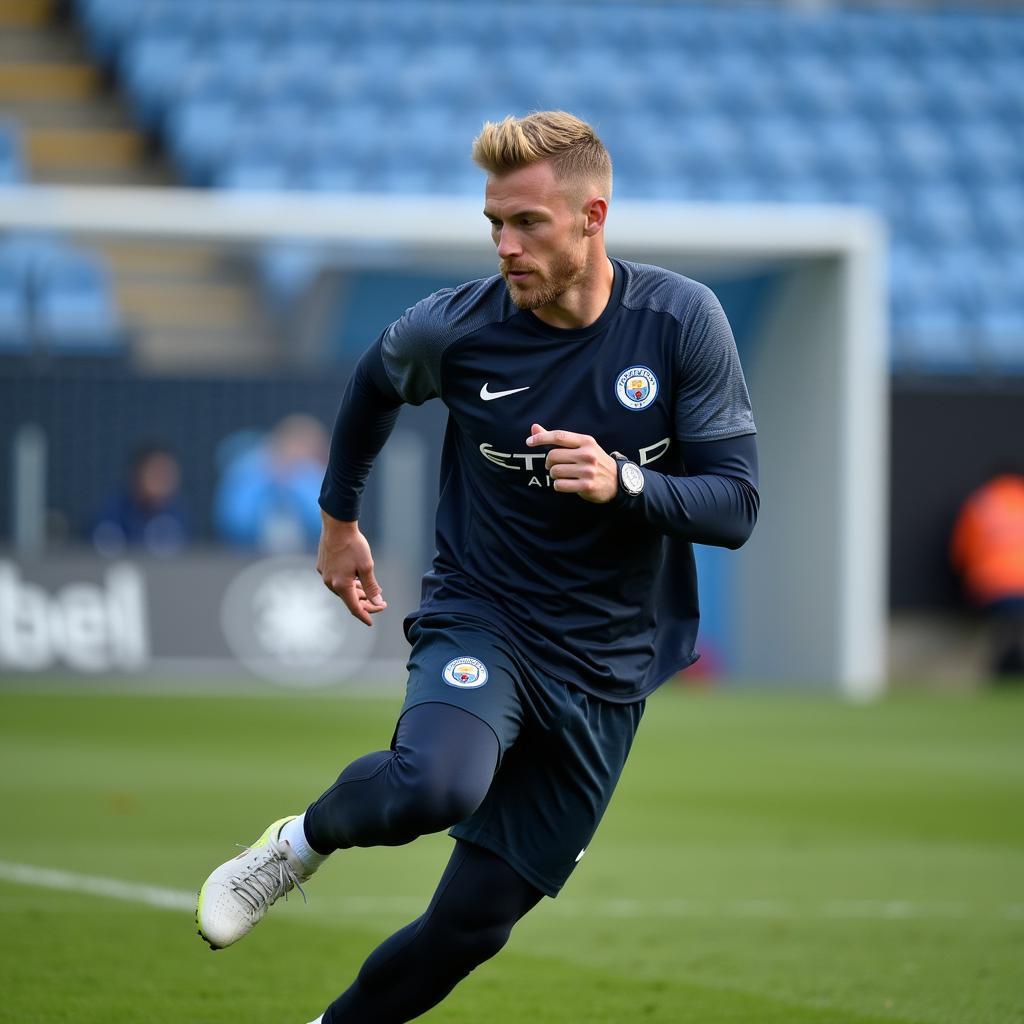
{"x":373,"y":906}
{"x":68,"y":881}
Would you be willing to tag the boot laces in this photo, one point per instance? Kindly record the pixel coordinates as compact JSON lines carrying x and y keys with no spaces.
{"x":271,"y":878}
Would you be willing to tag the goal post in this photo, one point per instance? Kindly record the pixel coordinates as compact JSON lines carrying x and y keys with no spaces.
{"x":808,"y":592}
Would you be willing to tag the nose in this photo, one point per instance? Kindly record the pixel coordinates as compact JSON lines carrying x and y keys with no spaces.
{"x":508,"y":244}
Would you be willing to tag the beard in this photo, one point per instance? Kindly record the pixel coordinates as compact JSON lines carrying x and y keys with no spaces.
{"x":566,"y":270}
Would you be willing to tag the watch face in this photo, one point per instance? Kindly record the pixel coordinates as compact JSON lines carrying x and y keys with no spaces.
{"x":632,"y":477}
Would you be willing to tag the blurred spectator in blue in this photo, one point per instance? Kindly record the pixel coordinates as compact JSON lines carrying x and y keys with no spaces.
{"x":267,"y":496}
{"x":147,"y":511}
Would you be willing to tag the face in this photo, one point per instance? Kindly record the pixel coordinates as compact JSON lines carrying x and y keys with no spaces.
{"x":157,"y":479}
{"x":539,"y":234}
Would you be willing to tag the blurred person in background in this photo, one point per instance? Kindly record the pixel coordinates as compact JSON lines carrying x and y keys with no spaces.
{"x":146,"y":512}
{"x":988,"y":552}
{"x":267,"y":497}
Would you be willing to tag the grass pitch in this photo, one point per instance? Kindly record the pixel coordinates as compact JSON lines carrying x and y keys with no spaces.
{"x":766,"y":860}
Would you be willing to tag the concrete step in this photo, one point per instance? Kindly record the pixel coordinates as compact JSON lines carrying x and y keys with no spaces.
{"x":48,"y":80}
{"x":24,"y":13}
{"x":153,"y":173}
{"x":56,"y":114}
{"x":208,"y":350}
{"x":33,"y":44}
{"x":75,"y":129}
{"x":193,"y":326}
{"x":50,"y":149}
{"x":182,"y":261}
{"x":184,"y":304}
{"x":189,"y":306}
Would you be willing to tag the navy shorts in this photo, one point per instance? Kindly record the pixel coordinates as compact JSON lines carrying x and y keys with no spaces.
{"x":561,"y":750}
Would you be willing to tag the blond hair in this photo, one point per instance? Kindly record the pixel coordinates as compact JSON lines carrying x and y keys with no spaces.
{"x":576,"y":153}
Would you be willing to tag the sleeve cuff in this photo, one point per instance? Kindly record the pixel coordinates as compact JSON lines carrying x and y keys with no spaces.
{"x":338,"y":507}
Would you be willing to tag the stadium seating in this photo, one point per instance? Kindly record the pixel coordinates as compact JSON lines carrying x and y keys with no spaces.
{"x":11,"y":160}
{"x":57,"y":297}
{"x":917,"y":115}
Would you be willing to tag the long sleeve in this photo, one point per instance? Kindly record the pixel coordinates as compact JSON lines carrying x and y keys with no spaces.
{"x":365,"y":420}
{"x":715,"y":503}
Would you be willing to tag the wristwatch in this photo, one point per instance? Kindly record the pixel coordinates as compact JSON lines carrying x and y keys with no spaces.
{"x":631,"y":476}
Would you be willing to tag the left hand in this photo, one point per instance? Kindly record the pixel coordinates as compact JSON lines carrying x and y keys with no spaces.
{"x":578,"y":465}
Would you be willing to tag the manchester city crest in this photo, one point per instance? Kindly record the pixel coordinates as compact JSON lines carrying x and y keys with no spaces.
{"x":636,"y":387}
{"x":465,"y":673}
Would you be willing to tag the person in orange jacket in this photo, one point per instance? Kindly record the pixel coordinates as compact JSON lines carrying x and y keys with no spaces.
{"x":988,"y":552}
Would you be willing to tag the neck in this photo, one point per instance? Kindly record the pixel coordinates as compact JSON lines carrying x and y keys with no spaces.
{"x":585,"y":301}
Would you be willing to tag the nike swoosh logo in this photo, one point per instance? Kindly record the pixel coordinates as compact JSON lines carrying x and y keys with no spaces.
{"x":490,"y":396}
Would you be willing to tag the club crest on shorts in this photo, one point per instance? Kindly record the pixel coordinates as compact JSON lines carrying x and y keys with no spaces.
{"x":465,"y":673}
{"x":636,"y":387}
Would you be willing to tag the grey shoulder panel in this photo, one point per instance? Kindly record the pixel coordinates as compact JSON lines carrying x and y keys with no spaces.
{"x":413,"y":347}
{"x":660,"y":290}
{"x":712,"y":401}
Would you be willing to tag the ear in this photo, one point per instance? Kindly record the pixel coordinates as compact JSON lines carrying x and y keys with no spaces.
{"x":596,"y":213}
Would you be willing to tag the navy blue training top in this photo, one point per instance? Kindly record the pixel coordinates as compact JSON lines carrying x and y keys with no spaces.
{"x":601,"y":596}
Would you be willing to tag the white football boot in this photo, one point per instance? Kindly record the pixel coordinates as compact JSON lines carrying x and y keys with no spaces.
{"x":234,"y":899}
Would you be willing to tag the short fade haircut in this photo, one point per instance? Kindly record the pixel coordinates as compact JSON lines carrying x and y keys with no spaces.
{"x":573,"y":147}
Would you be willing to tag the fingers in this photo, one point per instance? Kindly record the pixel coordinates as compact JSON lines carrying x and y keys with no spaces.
{"x":584,"y":456}
{"x":573,"y":478}
{"x":353,"y":602}
{"x":370,"y":586}
{"x":570,"y":471}
{"x":353,"y":593}
{"x":572,"y":486}
{"x":362,"y":607}
{"x":562,"y":438}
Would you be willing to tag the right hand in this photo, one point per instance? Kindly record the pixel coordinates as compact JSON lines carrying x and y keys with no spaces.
{"x":345,"y":563}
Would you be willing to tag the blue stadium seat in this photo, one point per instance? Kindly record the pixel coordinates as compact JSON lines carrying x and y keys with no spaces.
{"x":12,"y":168}
{"x":935,"y":336}
{"x":1000,"y":213}
{"x":321,"y":173}
{"x":151,"y":68}
{"x":260,"y":171}
{"x":106,"y":24}
{"x":816,"y":86}
{"x":28,"y":255}
{"x":917,"y":151}
{"x":885,"y":88}
{"x":15,"y":326}
{"x":709,"y":146}
{"x":987,"y":152}
{"x":782,"y":147}
{"x":241,"y":52}
{"x":307,"y":58}
{"x":1007,"y":96}
{"x":848,"y":149}
{"x":744,"y":85}
{"x":965,"y":272}
{"x":288,"y":270}
{"x":1001,"y":329}
{"x":956,"y":89}
{"x":74,"y":306}
{"x":201,"y":133}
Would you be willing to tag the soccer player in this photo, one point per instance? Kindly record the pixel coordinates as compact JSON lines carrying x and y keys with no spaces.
{"x":599,"y":425}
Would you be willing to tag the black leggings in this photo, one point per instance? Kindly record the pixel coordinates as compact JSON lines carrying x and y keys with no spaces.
{"x":469,"y":919}
{"x":438,"y":773}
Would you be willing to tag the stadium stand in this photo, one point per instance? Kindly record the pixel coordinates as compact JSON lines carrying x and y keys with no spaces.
{"x":55,"y":296}
{"x":11,"y":159}
{"x":918,"y":115}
